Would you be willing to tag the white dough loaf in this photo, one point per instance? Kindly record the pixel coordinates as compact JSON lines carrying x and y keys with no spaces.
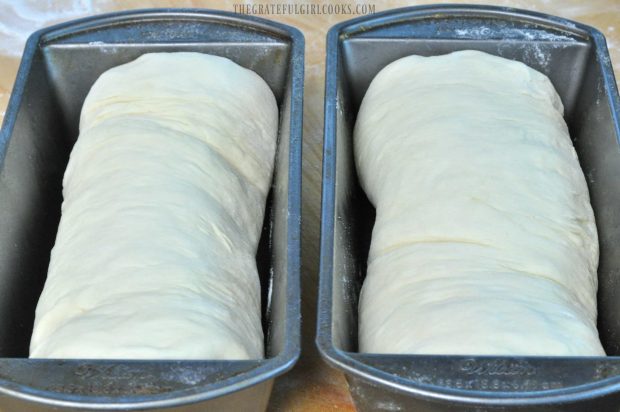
{"x":164,"y":197}
{"x":484,"y":241}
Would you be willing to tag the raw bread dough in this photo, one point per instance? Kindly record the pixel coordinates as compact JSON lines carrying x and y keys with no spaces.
{"x":484,"y":240}
{"x":164,"y":197}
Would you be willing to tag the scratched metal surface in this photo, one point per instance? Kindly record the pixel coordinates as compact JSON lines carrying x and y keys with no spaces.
{"x":576,"y":60}
{"x":58,"y":67}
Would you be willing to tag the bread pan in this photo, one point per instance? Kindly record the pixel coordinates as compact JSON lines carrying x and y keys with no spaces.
{"x":575,"y":58}
{"x":58,"y":68}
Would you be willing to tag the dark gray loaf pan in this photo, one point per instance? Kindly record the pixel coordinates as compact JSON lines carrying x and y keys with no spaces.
{"x":58,"y":67}
{"x":575,"y":58}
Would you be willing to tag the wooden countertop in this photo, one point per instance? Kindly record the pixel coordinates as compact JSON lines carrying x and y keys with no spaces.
{"x":312,"y":385}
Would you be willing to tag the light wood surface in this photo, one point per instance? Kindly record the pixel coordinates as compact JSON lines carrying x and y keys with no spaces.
{"x":312,"y":385}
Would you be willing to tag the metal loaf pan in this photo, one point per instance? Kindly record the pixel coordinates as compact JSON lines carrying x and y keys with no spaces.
{"x":576,"y":59}
{"x":58,"y":67}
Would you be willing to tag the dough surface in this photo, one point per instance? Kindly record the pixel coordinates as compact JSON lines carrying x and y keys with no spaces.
{"x":484,"y":240}
{"x":164,"y":197}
